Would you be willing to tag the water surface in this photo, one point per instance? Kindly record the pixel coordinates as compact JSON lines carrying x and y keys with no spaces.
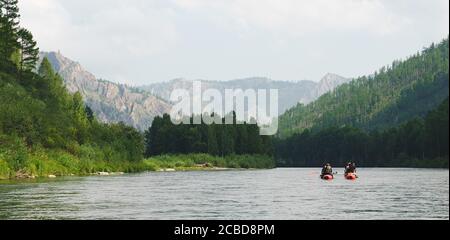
{"x":260,"y":194}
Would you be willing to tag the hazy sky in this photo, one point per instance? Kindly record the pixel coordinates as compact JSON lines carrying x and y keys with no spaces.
{"x":144,"y":41}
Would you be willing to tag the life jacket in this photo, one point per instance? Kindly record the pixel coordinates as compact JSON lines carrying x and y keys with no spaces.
{"x":350,"y":168}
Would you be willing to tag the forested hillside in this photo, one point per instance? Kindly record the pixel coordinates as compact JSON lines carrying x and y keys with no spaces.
{"x":44,"y":129}
{"x":421,"y":142}
{"x":393,"y":95}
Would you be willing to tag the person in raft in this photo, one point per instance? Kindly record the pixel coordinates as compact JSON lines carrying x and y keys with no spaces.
{"x":327,"y":170}
{"x":350,"y":168}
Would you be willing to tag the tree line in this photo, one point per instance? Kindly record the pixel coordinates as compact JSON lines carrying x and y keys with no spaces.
{"x":164,"y":137}
{"x":421,"y":142}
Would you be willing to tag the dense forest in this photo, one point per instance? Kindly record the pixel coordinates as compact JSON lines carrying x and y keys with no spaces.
{"x":44,"y":129}
{"x":392,"y":96}
{"x":163,"y":137}
{"x":398,"y":118}
{"x":421,"y":142}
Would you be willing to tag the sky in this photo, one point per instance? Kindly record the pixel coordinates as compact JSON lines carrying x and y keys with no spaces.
{"x":140,"y":42}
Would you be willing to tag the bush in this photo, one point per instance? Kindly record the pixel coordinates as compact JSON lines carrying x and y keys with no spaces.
{"x":14,"y":151}
{"x":5,"y":171}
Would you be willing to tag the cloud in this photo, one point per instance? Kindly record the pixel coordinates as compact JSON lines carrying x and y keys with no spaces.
{"x":107,"y":32}
{"x":139,"y":41}
{"x":301,"y":17}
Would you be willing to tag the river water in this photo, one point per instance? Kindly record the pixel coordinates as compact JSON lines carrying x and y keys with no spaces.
{"x":257,"y":194}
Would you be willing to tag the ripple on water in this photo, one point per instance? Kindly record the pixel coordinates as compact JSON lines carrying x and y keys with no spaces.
{"x":267,"y":194}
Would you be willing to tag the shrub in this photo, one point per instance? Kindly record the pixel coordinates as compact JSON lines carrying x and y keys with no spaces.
{"x":14,"y":151}
{"x":191,"y":160}
{"x":5,"y":171}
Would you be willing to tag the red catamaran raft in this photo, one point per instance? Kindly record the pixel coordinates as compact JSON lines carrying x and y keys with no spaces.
{"x":351,"y":176}
{"x":327,"y":177}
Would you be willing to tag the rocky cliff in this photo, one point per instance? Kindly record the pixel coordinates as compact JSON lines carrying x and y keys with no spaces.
{"x":110,"y":102}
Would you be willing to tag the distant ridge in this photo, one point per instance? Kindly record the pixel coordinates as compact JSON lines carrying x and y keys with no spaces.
{"x":110,"y":102}
{"x":137,"y":106}
{"x":290,"y":93}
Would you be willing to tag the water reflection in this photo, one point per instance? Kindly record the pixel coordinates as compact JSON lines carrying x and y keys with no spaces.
{"x":265,"y":194}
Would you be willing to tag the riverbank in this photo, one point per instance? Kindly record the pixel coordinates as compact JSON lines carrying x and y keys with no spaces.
{"x":56,"y":163}
{"x":198,"y":162}
{"x":51,"y":164}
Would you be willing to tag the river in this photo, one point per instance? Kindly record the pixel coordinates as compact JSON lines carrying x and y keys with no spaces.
{"x":254,"y":194}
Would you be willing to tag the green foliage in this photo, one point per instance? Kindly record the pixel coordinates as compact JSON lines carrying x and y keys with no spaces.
{"x":213,"y":147}
{"x":17,"y":45}
{"x":43,"y":128}
{"x":164,"y":137}
{"x":4,"y":169}
{"x":45,"y":69}
{"x":43,"y":133}
{"x":28,"y":50}
{"x":89,"y":114}
{"x":206,"y":161}
{"x":13,"y":152}
{"x":392,"y":96}
{"x":417,"y":143}
{"x":42,"y":162}
{"x":9,"y":25}
{"x":383,"y":120}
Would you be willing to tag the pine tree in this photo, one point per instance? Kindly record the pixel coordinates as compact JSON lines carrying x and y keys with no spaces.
{"x":228,"y":140}
{"x":89,"y":114}
{"x":29,"y":52}
{"x":9,"y":26}
{"x":213,"y":148}
{"x":242,"y":139}
{"x":80,"y":118}
{"x":45,"y":69}
{"x":254,"y":140}
{"x":10,"y":11}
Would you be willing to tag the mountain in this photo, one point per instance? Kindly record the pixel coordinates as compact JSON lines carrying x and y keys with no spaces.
{"x":290,"y":93}
{"x":109,"y":101}
{"x":137,"y":107}
{"x":396,"y":94}
{"x":328,"y":83}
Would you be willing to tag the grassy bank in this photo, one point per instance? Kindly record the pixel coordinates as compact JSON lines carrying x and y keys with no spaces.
{"x":60,"y":163}
{"x":18,"y":161}
{"x":206,"y":161}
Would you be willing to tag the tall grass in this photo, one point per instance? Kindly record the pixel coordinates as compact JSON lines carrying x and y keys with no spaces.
{"x":16,"y":158}
{"x":201,"y":161}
